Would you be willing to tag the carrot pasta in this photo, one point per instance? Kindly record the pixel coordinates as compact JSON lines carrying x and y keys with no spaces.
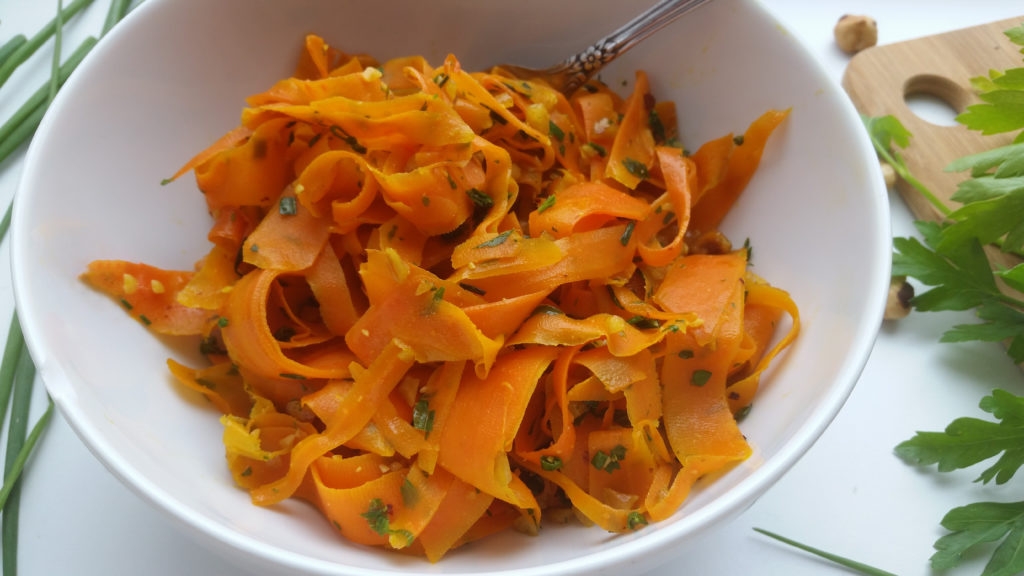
{"x":438,"y":304}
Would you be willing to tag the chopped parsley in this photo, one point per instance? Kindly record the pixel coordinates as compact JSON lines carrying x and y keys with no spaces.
{"x":547,"y":203}
{"x":287,"y":206}
{"x":635,"y":167}
{"x":700,"y":377}
{"x":496,"y":241}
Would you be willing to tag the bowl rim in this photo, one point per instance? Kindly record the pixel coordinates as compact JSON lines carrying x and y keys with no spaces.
{"x":738,"y":498}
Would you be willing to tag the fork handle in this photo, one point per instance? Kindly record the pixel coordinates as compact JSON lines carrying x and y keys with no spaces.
{"x":580,"y":67}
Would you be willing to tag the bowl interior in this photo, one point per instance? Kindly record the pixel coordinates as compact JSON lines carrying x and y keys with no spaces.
{"x":173,"y":78}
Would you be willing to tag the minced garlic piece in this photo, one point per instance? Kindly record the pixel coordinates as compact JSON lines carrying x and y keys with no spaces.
{"x":157,"y":286}
{"x":130,"y":284}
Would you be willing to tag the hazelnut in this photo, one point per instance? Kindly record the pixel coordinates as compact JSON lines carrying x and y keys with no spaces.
{"x":900,"y":293}
{"x":854,"y":33}
{"x":888,"y":173}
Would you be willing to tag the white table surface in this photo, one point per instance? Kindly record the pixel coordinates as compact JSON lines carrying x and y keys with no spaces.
{"x":849,"y":494}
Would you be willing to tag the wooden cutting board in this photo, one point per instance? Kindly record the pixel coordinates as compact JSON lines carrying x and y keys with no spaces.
{"x":879,"y":79}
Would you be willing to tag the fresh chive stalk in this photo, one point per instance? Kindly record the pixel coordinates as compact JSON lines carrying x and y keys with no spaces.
{"x":26,"y":450}
{"x":846,"y":562}
{"x":23,"y":123}
{"x":118,"y":10}
{"x":17,"y":429}
{"x":12,"y":349}
{"x":26,"y":50}
{"x":58,"y":41}
{"x":10,"y":47}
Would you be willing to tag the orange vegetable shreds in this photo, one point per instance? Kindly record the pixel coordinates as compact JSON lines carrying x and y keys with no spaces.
{"x":438,"y":303}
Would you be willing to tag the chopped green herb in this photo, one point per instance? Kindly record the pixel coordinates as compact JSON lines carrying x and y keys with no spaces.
{"x":550,"y":463}
{"x":410,"y":495}
{"x":425,"y":200}
{"x":316,"y":138}
{"x":498,"y":117}
{"x":738,"y":139}
{"x":292,"y":376}
{"x":145,"y":320}
{"x":206,"y":383}
{"x":471,"y":288}
{"x":247,"y":471}
{"x":451,"y":181}
{"x":743,"y":412}
{"x":496,"y":241}
{"x":166,"y":181}
{"x":635,"y":167}
{"x":547,"y":203}
{"x":222,"y":322}
{"x":127,"y":305}
{"x":556,"y":131}
{"x":598,"y":148}
{"x":657,"y":127}
{"x":685,"y":354}
{"x":667,"y":218}
{"x":636,"y":520}
{"x":700,"y":377}
{"x":611,"y":294}
{"x":354,"y":144}
{"x":624,"y":240}
{"x":609,"y":461}
{"x":479,"y":198}
{"x":441,"y":79}
{"x":423,"y":416}
{"x":287,"y":206}
{"x":377,"y":517}
{"x":254,"y":248}
{"x":643,"y":322}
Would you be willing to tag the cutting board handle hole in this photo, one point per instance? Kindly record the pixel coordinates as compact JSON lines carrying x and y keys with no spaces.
{"x":935,"y":99}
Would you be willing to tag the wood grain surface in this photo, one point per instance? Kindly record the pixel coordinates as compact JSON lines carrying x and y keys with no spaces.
{"x":879,"y":79}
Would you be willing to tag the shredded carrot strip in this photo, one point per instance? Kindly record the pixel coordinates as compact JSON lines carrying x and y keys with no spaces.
{"x":438,"y":303}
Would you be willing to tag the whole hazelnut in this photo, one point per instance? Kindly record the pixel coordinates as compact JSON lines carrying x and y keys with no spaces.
{"x":855,"y":32}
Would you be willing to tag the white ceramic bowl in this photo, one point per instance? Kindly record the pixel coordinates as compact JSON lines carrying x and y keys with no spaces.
{"x":173,"y":77}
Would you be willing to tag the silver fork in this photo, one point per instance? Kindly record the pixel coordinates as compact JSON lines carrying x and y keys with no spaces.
{"x":574,"y":71}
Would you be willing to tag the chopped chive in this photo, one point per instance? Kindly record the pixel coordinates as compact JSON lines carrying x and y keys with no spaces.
{"x":700,"y":377}
{"x":496,"y":241}
{"x":166,"y":181}
{"x":550,"y":463}
{"x":222,"y":322}
{"x":127,"y":305}
{"x":145,"y":320}
{"x":852,"y":564}
{"x":26,"y":50}
{"x":292,"y":376}
{"x":451,"y":181}
{"x":598,"y":148}
{"x":288,"y":206}
{"x":611,"y":294}
{"x":547,"y":203}
{"x":624,"y":240}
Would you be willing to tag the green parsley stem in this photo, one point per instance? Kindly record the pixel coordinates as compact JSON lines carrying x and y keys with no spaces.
{"x":901,"y":168}
{"x":23,"y":123}
{"x":851,"y":564}
{"x":24,"y":378}
{"x":26,"y":50}
{"x":10,"y":47}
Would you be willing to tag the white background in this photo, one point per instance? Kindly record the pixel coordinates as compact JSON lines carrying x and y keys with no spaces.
{"x":849,"y":494}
